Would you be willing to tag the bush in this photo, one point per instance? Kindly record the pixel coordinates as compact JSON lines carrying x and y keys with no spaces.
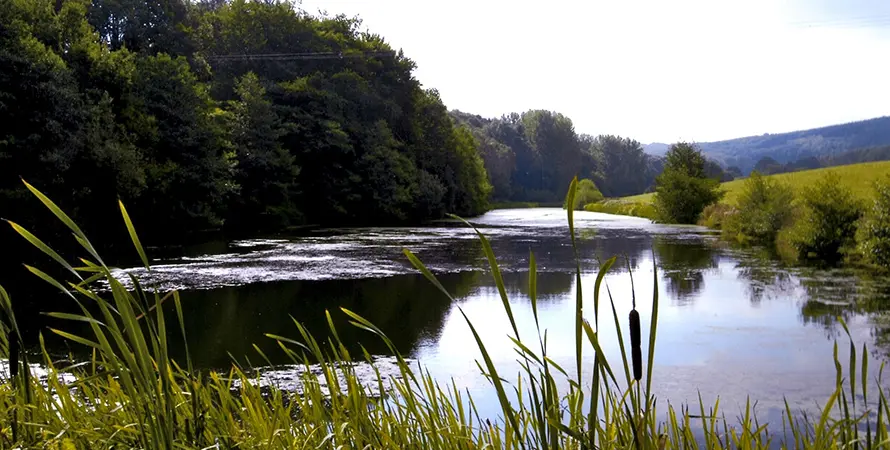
{"x":683,"y":190}
{"x":873,"y":235}
{"x":586,"y":193}
{"x":763,"y":208}
{"x":826,"y":227}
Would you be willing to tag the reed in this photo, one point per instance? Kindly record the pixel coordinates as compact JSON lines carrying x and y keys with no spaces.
{"x":131,"y":394}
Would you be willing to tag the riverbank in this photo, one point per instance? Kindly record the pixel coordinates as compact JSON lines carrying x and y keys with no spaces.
{"x":825,"y":216}
{"x":516,"y":205}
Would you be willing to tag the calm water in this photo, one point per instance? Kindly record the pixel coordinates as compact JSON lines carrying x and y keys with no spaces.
{"x":731,"y":323}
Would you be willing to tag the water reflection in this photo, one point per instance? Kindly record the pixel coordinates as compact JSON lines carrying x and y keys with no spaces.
{"x":684,"y":263}
{"x":407,"y":308}
{"x":764,"y":276}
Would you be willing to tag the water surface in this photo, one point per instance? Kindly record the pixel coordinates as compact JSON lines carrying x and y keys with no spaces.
{"x":731,"y":323}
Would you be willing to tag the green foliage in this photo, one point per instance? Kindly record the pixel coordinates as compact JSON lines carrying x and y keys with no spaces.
{"x":264,"y":170}
{"x":587,"y":193}
{"x":621,"y":166}
{"x":683,"y":189}
{"x":131,"y":394}
{"x":873,"y":234}
{"x":826,"y":227}
{"x":768,"y":166}
{"x":530,"y":156}
{"x":762,"y":209}
{"x":157,"y":104}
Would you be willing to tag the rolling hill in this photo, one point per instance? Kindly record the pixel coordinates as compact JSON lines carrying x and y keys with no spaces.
{"x":857,"y":177}
{"x":789,"y":147}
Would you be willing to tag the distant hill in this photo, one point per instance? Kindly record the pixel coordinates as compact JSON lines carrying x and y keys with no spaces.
{"x":822,"y":143}
{"x":656,"y":148}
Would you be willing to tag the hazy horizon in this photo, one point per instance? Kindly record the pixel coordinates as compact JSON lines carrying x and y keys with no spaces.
{"x":690,"y":70}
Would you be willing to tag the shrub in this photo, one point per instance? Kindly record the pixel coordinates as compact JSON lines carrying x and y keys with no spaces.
{"x":586,"y":193}
{"x":763,"y":208}
{"x":873,"y":235}
{"x":826,"y":227}
{"x":683,"y":190}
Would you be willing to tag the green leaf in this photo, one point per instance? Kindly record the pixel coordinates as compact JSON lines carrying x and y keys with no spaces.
{"x":133,"y":236}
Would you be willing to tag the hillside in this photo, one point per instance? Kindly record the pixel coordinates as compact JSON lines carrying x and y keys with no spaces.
{"x":858,"y":177}
{"x":789,"y":147}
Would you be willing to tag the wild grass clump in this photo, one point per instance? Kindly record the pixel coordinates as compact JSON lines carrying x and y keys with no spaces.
{"x":623,"y":208}
{"x":715,"y":215}
{"x":131,"y":394}
{"x":764,"y":207}
{"x":825,"y":229}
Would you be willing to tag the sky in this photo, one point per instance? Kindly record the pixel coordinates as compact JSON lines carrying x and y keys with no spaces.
{"x":651,"y":70}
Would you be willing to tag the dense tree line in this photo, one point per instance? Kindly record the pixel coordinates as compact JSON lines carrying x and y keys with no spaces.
{"x":247,"y":114}
{"x":532,"y":156}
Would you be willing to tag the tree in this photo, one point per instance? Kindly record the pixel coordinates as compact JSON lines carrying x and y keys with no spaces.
{"x":621,"y":166}
{"x":769,"y":166}
{"x":189,"y":171}
{"x":683,"y":190}
{"x":265,"y":172}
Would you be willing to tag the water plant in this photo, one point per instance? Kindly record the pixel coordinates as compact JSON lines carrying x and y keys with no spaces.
{"x":131,"y":394}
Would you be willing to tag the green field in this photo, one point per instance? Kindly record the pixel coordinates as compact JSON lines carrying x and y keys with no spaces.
{"x":857,"y":177}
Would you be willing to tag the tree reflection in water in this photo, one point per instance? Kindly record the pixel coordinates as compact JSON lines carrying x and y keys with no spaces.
{"x":683,"y":263}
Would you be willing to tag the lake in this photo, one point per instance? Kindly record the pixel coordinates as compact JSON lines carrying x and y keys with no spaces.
{"x":732,"y":323}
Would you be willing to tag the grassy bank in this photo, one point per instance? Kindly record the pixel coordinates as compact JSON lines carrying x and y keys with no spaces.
{"x":623,"y":207}
{"x":132,"y":395}
{"x":513,"y":205}
{"x":859,"y":178}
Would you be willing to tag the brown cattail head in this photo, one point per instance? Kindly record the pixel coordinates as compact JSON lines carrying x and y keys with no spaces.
{"x":637,"y":356}
{"x":636,"y":353}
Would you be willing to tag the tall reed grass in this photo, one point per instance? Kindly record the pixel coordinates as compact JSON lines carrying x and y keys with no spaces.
{"x":131,"y":394}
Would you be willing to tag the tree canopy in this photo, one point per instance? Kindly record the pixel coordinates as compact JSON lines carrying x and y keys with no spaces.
{"x":236,"y":113}
{"x":683,"y":189}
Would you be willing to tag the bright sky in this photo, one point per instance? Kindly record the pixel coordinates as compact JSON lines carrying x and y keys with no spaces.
{"x":655,"y":70}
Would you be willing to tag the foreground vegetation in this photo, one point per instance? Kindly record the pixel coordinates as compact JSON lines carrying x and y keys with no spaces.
{"x":132,"y":395}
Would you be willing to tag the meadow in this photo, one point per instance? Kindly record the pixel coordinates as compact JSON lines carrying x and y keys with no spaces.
{"x":859,"y":178}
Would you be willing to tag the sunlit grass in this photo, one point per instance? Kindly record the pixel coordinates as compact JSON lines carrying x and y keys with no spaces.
{"x":623,"y":208}
{"x":859,"y":178}
{"x":131,"y":394}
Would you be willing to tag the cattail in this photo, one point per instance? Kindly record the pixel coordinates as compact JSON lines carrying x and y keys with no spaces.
{"x":636,"y":353}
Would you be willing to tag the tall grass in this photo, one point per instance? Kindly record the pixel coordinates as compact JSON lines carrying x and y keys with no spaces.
{"x":131,"y":394}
